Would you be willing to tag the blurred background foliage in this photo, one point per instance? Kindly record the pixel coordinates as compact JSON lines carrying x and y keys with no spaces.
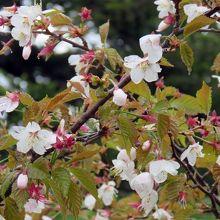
{"x":130,"y":19}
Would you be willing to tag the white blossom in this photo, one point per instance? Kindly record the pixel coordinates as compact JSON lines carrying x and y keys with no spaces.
{"x":34,"y":206}
{"x":124,"y":165}
{"x":107,"y":192}
{"x":149,"y":201}
{"x":193,"y":10}
{"x":142,"y":184}
{"x":74,"y":60}
{"x":145,"y":68}
{"x":33,"y":137}
{"x":165,"y":7}
{"x":192,"y":152}
{"x":160,"y":168}
{"x":9,"y":102}
{"x":82,"y":88}
{"x":119,"y":97}
{"x":162,"y":214}
{"x":22,"y":181}
{"x":89,"y":202}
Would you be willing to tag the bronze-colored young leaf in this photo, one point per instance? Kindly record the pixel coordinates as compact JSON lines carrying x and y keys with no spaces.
{"x":113,"y":57}
{"x":60,"y":19}
{"x":103,"y":31}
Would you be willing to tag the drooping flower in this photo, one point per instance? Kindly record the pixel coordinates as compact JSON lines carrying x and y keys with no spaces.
{"x":165,"y":7}
{"x":107,"y":192}
{"x":80,"y":85}
{"x":9,"y":102}
{"x":166,"y":22}
{"x":145,"y":68}
{"x":119,"y":97}
{"x":89,"y":202}
{"x":162,"y":214}
{"x":33,"y":137}
{"x":22,"y":181}
{"x":193,"y":10}
{"x":149,"y":201}
{"x":124,"y":165}
{"x":142,"y":184}
{"x":160,"y":168}
{"x":192,"y":152}
{"x":85,"y":14}
{"x":26,"y":52}
{"x":34,"y":206}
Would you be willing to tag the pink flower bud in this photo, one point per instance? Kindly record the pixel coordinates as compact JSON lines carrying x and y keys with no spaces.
{"x":26,"y":52}
{"x":85,"y":14}
{"x":146,"y":145}
{"x":119,"y":97}
{"x":48,"y":50}
{"x":84,"y":128}
{"x":3,"y":21}
{"x":162,"y":26}
{"x":22,"y":181}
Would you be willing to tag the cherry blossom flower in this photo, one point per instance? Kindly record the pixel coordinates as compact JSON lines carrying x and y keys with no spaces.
{"x":63,"y":139}
{"x":146,"y":145}
{"x":164,"y":24}
{"x":124,"y":165}
{"x":165,"y":7}
{"x":149,"y":201}
{"x":26,"y":52}
{"x":193,"y":10}
{"x":83,"y":87}
{"x":192,"y":122}
{"x":22,"y":181}
{"x":162,"y":214}
{"x":218,"y":160}
{"x":33,"y":137}
{"x":192,"y":152}
{"x":160,"y":168}
{"x":81,"y":61}
{"x":107,"y":192}
{"x":85,"y":14}
{"x":34,"y":206}
{"x":182,"y":199}
{"x":9,"y":102}
{"x":145,"y":68}
{"x":89,"y":202}
{"x":215,"y":119}
{"x":35,"y":192}
{"x":119,"y":97}
{"x":142,"y":184}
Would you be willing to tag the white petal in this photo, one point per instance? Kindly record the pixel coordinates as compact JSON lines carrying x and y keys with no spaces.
{"x":33,"y":127}
{"x":149,"y":201}
{"x":17,"y":132}
{"x":23,"y":146}
{"x":132,"y":61}
{"x":151,"y":73}
{"x":137,"y":75}
{"x":74,"y":60}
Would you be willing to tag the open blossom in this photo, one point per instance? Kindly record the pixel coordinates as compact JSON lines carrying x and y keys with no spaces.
{"x":142,"y":184}
{"x":33,"y":137}
{"x":165,"y":7}
{"x":9,"y":102}
{"x":146,"y":68}
{"x":34,"y":206}
{"x":162,"y":214}
{"x":22,"y":181}
{"x":89,"y":202}
{"x":192,"y":152}
{"x":149,"y":201}
{"x":124,"y":165}
{"x":160,"y":168}
{"x":107,"y":192}
{"x":193,"y":10}
{"x":119,"y":97}
{"x":82,"y":87}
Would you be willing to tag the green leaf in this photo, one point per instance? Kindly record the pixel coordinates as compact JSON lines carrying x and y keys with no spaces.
{"x":63,"y":179}
{"x":187,"y":56}
{"x":188,"y":103}
{"x":87,"y":153}
{"x":20,"y":196}
{"x":113,"y":57}
{"x":197,"y":24}
{"x":39,"y":169}
{"x":74,"y":199}
{"x":165,"y":62}
{"x":11,"y":210}
{"x":57,"y":194}
{"x":6,"y":142}
{"x":60,"y":19}
{"x":86,"y":179}
{"x":204,"y":97}
{"x":163,"y":122}
{"x":7,"y":183}
{"x":26,"y":99}
{"x":216,"y":65}
{"x":52,"y":11}
{"x":141,"y":89}
{"x":103,"y":31}
{"x":128,"y":132}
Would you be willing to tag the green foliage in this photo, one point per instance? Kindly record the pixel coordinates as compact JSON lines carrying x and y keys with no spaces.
{"x":59,"y":19}
{"x":216,"y":64}
{"x":187,"y":55}
{"x":113,"y":57}
{"x":20,"y":197}
{"x":6,"y":142}
{"x":7,"y":183}
{"x":11,"y":210}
